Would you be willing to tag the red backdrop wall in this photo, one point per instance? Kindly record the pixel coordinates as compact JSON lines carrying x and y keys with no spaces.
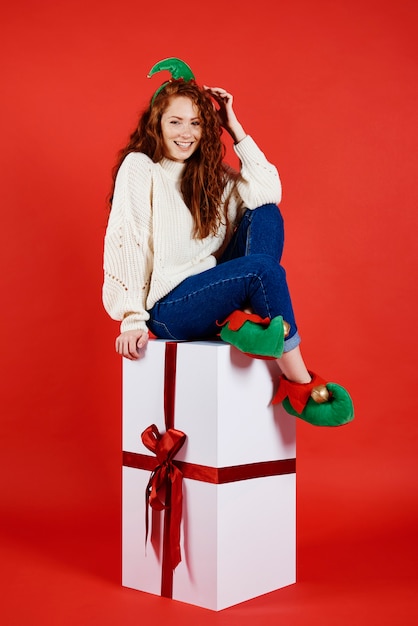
{"x":329,"y":90}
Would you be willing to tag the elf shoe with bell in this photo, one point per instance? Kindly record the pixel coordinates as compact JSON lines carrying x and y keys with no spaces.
{"x":256,"y":336}
{"x":317,"y":402}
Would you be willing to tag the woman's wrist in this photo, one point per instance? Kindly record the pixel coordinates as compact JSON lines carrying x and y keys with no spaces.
{"x":237,"y":133}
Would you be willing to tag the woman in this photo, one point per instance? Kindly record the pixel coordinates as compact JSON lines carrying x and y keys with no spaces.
{"x":193,"y":248}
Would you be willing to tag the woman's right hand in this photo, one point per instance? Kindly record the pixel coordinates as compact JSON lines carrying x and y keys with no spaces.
{"x":131,"y":344}
{"x":226,"y":113}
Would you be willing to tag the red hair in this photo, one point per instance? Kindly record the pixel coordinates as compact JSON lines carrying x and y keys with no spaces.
{"x":204,"y":176}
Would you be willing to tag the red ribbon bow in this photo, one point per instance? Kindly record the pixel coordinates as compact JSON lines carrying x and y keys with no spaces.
{"x":164,"y":489}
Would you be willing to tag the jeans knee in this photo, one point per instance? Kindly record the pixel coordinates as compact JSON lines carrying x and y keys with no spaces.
{"x":264,"y":264}
{"x":270,"y":212}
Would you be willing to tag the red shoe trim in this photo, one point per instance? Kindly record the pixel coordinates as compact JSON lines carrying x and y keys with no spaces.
{"x":298,"y":394}
{"x":238,"y":318}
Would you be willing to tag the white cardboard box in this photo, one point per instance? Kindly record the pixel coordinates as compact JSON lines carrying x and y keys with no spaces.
{"x":238,"y":539}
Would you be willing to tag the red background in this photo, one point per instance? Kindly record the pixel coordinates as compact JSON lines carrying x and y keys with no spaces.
{"x":329,"y":90}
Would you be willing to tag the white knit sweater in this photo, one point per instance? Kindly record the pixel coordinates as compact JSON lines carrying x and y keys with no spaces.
{"x":149,"y":248}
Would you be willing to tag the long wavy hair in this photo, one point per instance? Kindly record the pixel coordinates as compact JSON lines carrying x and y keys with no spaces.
{"x":204,"y":176}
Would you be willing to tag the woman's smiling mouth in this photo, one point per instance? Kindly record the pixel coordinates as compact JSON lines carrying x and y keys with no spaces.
{"x":184,"y":144}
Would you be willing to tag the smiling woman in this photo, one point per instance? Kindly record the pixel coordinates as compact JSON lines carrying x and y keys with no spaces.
{"x":193,"y":245}
{"x":181,"y":129}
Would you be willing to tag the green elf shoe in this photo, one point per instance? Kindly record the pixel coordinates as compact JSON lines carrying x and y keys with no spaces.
{"x":317,"y":402}
{"x":256,"y":336}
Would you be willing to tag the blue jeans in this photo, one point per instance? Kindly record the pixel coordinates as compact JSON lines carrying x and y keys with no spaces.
{"x":248,"y":274}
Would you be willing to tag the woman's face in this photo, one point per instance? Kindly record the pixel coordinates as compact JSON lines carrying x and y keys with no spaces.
{"x":181,"y":129}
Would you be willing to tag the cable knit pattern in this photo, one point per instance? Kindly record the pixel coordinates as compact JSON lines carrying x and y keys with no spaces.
{"x":149,"y":247}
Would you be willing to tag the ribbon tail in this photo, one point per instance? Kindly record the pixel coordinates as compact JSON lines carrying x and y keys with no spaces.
{"x":166,"y":566}
{"x":146,"y":518}
{"x":176,"y":515}
{"x":150,"y":496}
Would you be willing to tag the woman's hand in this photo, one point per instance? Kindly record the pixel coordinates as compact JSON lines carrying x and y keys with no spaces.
{"x":226,"y":112}
{"x":131,"y":344}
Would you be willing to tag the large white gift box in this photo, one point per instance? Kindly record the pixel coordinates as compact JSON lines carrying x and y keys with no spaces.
{"x":238,"y":527}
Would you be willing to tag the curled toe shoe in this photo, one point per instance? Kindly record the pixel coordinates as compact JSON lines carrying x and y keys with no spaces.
{"x":256,"y":336}
{"x":317,"y":402}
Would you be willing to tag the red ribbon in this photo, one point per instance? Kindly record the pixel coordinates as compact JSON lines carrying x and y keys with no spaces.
{"x":216,"y":475}
{"x":164,"y":489}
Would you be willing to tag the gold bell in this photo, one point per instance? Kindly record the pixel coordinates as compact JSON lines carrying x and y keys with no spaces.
{"x":286,"y":328}
{"x":320,"y":394}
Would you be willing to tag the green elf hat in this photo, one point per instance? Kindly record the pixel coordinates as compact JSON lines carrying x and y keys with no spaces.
{"x":177,"y":68}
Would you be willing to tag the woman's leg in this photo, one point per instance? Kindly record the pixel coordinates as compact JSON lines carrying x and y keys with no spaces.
{"x":303,"y":395}
{"x":262,"y":231}
{"x":191,"y":310}
{"x":293,"y":366}
{"x":249,"y":274}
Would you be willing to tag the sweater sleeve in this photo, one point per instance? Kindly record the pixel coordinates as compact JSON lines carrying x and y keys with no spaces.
{"x":258,"y":181}
{"x":128,"y":253}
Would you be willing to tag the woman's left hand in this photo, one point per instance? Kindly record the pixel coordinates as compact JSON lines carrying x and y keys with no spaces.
{"x":226,"y":112}
{"x":131,"y":344}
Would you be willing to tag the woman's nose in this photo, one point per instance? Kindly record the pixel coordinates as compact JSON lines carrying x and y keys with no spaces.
{"x":186,"y":130}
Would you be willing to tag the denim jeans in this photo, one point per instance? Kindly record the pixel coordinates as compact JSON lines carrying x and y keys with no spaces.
{"x":248,"y":274}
